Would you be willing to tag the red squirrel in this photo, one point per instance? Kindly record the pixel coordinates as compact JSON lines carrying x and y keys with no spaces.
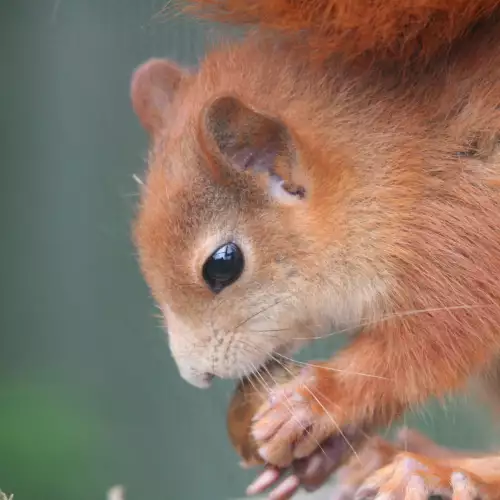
{"x":337,"y":169}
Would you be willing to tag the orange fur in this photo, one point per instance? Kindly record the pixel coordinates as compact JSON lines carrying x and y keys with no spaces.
{"x":398,"y":232}
{"x":398,"y":29}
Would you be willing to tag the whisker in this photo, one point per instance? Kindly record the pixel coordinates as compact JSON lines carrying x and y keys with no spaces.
{"x":270,"y":331}
{"x":259,"y":350}
{"x":414,"y":312}
{"x":130,"y":195}
{"x":212,"y":312}
{"x":288,"y":404}
{"x":137,"y":179}
{"x":254,"y":387}
{"x":406,"y":434}
{"x":334,"y":422}
{"x":239,"y":325}
{"x":306,"y":430}
{"x":328,"y":368}
{"x":260,"y":378}
{"x":290,"y":410}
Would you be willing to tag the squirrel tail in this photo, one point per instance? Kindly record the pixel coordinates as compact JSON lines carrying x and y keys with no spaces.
{"x":395,"y":29}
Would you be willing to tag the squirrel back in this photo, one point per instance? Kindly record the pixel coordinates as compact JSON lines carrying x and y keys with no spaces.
{"x":400,"y":30}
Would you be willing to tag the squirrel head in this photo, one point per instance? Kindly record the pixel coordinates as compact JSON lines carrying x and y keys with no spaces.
{"x":247,"y":249}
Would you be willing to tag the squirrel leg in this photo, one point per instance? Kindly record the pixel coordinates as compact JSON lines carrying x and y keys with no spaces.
{"x":369,"y":384}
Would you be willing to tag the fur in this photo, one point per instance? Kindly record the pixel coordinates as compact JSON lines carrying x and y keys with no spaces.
{"x":393,"y":29}
{"x":398,"y":232}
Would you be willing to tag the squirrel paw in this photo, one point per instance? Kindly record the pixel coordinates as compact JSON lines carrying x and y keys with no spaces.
{"x":386,"y":473}
{"x":298,"y":417}
{"x":409,"y":478}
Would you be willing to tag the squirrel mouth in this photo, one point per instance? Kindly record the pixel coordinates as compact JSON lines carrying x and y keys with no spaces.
{"x":268,"y":365}
{"x":278,"y":361}
{"x":273,"y":371}
{"x":268,"y":377}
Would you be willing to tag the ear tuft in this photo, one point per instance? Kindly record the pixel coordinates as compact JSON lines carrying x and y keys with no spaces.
{"x":249,"y":140}
{"x":153,"y":89}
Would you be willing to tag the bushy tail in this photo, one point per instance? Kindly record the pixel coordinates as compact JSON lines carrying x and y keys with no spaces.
{"x":399,"y":29}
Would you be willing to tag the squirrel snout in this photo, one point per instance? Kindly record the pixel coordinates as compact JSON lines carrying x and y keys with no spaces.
{"x":201,"y":380}
{"x":204,"y":380}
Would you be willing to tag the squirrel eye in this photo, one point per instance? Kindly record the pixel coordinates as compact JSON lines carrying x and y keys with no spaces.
{"x":223,"y":267}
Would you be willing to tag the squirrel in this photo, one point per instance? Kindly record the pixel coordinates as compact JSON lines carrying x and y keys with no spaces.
{"x":335,"y":170}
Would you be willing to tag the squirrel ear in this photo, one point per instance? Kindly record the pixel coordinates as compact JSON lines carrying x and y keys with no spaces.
{"x":252,"y":141}
{"x":153,"y":89}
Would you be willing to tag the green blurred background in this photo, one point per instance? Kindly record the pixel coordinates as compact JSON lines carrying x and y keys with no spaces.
{"x":89,"y":396}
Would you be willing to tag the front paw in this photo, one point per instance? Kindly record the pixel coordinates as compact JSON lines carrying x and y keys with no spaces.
{"x":299,"y":416}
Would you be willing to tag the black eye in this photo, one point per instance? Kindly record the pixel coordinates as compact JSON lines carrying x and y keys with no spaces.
{"x":223,"y":267}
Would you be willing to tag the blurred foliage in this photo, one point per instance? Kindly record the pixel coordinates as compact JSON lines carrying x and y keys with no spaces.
{"x":49,"y":443}
{"x":89,"y":396}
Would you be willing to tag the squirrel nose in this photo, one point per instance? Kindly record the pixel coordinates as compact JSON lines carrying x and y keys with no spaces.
{"x":207,"y":378}
{"x":202,"y":380}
